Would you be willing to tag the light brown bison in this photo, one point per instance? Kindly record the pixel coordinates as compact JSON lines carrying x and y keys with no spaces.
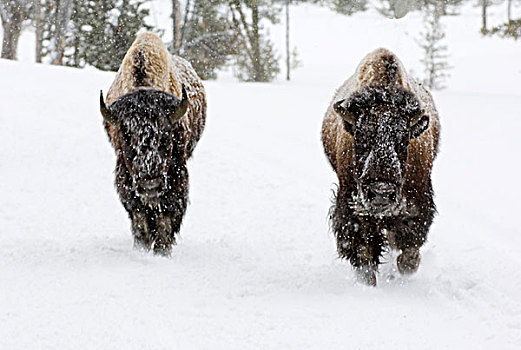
{"x":154,"y":115}
{"x":380,"y":134}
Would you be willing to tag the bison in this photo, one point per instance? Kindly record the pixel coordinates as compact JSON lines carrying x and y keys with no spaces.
{"x":380,"y":135}
{"x":154,"y":115}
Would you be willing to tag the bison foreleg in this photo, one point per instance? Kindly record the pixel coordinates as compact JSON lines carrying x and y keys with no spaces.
{"x":408,"y":235}
{"x":408,"y":261}
{"x":164,"y":237}
{"x":141,"y":231}
{"x":166,"y":226}
{"x":359,"y":240}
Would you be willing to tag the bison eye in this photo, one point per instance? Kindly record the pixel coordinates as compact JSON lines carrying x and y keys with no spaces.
{"x":129,"y":153}
{"x":163,"y":150}
{"x":401,"y":146}
{"x":349,"y":128}
{"x":402,"y":142}
{"x":363,"y":148}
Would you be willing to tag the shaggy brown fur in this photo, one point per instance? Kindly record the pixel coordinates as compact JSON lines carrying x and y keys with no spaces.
{"x":381,"y":96}
{"x":148,"y":64}
{"x":151,"y":147}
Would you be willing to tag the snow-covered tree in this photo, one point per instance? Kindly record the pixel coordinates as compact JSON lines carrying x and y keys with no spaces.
{"x":398,"y":8}
{"x":101,"y":31}
{"x":61,"y":22}
{"x":435,"y":59}
{"x":203,"y":35}
{"x":12,"y":13}
{"x":510,"y":29}
{"x":257,"y":60}
{"x":348,"y":7}
{"x":484,"y":5}
{"x":52,"y":23}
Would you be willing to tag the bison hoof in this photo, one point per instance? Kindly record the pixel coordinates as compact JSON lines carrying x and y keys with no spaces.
{"x":142,"y":245}
{"x":366,"y":275}
{"x":164,"y":250}
{"x":409,"y":261}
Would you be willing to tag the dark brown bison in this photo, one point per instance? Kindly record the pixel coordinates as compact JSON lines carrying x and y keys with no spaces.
{"x":380,"y":134}
{"x":154,"y":115}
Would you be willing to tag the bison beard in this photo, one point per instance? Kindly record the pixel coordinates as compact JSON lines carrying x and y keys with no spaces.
{"x":380,"y":135}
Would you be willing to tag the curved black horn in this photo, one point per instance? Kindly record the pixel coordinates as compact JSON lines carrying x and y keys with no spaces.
{"x":419,"y":116}
{"x":419,"y":124}
{"x":341,"y":108}
{"x":181,"y":108}
{"x":105,"y":112}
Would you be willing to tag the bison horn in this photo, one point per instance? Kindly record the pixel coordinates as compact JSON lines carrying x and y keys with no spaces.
{"x":417,"y":118}
{"x":180,"y":108}
{"x":105,"y":112}
{"x":419,"y":124}
{"x":341,"y":108}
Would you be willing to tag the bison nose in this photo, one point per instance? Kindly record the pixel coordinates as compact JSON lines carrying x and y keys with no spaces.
{"x":381,"y":194}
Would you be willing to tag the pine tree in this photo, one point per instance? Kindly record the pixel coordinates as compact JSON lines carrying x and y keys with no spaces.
{"x":61,"y":26}
{"x":37,"y":18}
{"x":399,"y":8}
{"x":510,"y":29}
{"x":101,"y":31}
{"x":484,"y":5}
{"x":348,"y":7}
{"x":257,"y":60}
{"x":264,"y":68}
{"x":74,"y":39}
{"x":288,"y":55}
{"x":435,"y":53}
{"x":205,"y":37}
{"x":46,"y":28}
{"x":449,"y":7}
{"x":91,"y":22}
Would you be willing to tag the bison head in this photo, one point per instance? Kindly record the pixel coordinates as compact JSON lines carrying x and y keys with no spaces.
{"x":382,"y":121}
{"x":144,"y":120}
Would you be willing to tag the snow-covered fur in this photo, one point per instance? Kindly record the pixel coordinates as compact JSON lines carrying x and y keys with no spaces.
{"x":151,"y":143}
{"x":380,"y":135}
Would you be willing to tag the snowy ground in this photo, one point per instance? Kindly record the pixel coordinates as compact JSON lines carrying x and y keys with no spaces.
{"x":256,"y":266}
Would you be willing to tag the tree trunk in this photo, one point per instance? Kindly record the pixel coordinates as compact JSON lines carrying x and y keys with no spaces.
{"x":76,"y":40}
{"x":509,"y":10}
{"x":38,"y":25}
{"x":61,"y":22}
{"x":176,"y":26}
{"x":13,"y":15}
{"x":255,"y":44}
{"x":288,"y":57}
{"x":246,"y":35}
{"x":185,"y":23}
{"x":484,"y":4}
{"x":10,"y":41}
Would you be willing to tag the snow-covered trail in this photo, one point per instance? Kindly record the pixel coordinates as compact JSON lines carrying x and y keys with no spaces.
{"x":256,"y":266}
